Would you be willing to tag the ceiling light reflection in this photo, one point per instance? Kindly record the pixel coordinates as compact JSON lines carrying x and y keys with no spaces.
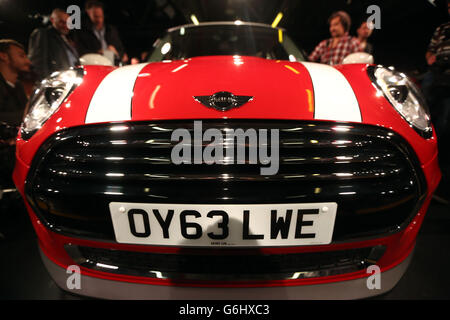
{"x":166,"y":48}
{"x":180,"y":67}
{"x":102,"y":265}
{"x":194,"y":19}
{"x":277,"y":19}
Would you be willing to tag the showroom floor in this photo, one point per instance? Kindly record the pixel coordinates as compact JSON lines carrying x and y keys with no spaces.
{"x":23,"y":276}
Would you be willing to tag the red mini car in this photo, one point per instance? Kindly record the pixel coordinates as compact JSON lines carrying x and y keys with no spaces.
{"x":227,"y":167}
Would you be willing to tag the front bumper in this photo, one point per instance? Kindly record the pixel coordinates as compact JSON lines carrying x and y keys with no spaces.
{"x":111,"y":289}
{"x":103,"y":284}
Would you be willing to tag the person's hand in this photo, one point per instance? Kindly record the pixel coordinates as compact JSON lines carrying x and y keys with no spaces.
{"x":9,"y":142}
{"x":431,"y":59}
{"x":113,"y":49}
{"x":144,"y":55}
{"x":8,"y":134}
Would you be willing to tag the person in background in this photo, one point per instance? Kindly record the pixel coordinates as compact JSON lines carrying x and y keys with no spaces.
{"x":436,"y":82}
{"x":13,"y":100}
{"x":333,"y":50}
{"x":440,"y":42}
{"x":52,"y":49}
{"x":436,"y":89}
{"x":97,"y":37}
{"x":363,"y":34}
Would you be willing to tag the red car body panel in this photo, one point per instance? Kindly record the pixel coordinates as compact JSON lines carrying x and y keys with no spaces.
{"x":399,"y":246}
{"x":173,"y":99}
{"x":376,"y":110}
{"x":164,"y":90}
{"x":70,"y":114}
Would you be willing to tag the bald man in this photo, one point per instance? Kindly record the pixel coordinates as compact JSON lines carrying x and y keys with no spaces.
{"x":52,"y":49}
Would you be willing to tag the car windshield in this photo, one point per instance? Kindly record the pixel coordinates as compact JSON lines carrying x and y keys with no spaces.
{"x":225,"y":39}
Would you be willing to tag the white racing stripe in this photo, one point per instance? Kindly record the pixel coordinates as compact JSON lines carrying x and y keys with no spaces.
{"x":112,"y":99}
{"x":334,"y":98}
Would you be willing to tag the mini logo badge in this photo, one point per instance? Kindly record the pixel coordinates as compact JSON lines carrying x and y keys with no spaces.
{"x":223,"y":100}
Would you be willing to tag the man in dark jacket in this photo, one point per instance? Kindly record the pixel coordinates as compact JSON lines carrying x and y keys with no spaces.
{"x":51,"y":49}
{"x":13,"y":61}
{"x":97,"y":37}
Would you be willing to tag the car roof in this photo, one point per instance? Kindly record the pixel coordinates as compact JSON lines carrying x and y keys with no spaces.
{"x":227,"y":23}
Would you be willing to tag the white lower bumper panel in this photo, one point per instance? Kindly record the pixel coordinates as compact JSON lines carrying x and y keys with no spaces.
{"x":107,"y":289}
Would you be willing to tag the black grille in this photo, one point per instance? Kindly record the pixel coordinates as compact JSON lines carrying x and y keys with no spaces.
{"x":370,"y":172}
{"x":226,"y":264}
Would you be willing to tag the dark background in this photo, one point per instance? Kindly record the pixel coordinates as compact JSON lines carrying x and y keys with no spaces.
{"x":406,"y":26}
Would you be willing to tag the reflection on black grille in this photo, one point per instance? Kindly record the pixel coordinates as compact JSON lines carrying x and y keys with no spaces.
{"x":369,"y":171}
{"x":226,"y":265}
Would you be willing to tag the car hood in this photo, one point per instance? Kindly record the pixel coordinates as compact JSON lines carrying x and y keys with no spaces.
{"x":278,"y":90}
{"x":281,"y":90}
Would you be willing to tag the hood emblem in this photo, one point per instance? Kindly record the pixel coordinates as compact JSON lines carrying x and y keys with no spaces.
{"x":223,"y":100}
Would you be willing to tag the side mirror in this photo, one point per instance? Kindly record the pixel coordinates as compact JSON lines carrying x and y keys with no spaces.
{"x":358,"y":57}
{"x":95,"y":59}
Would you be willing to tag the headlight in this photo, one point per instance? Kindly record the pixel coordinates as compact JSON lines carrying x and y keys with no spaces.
{"x":404,"y":97}
{"x":47,"y":98}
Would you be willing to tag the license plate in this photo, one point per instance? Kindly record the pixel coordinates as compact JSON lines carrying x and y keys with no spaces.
{"x":243,"y":225}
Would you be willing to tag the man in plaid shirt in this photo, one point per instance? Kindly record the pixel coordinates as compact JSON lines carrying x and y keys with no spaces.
{"x":333,"y":51}
{"x":436,"y":83}
{"x":440,"y":42}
